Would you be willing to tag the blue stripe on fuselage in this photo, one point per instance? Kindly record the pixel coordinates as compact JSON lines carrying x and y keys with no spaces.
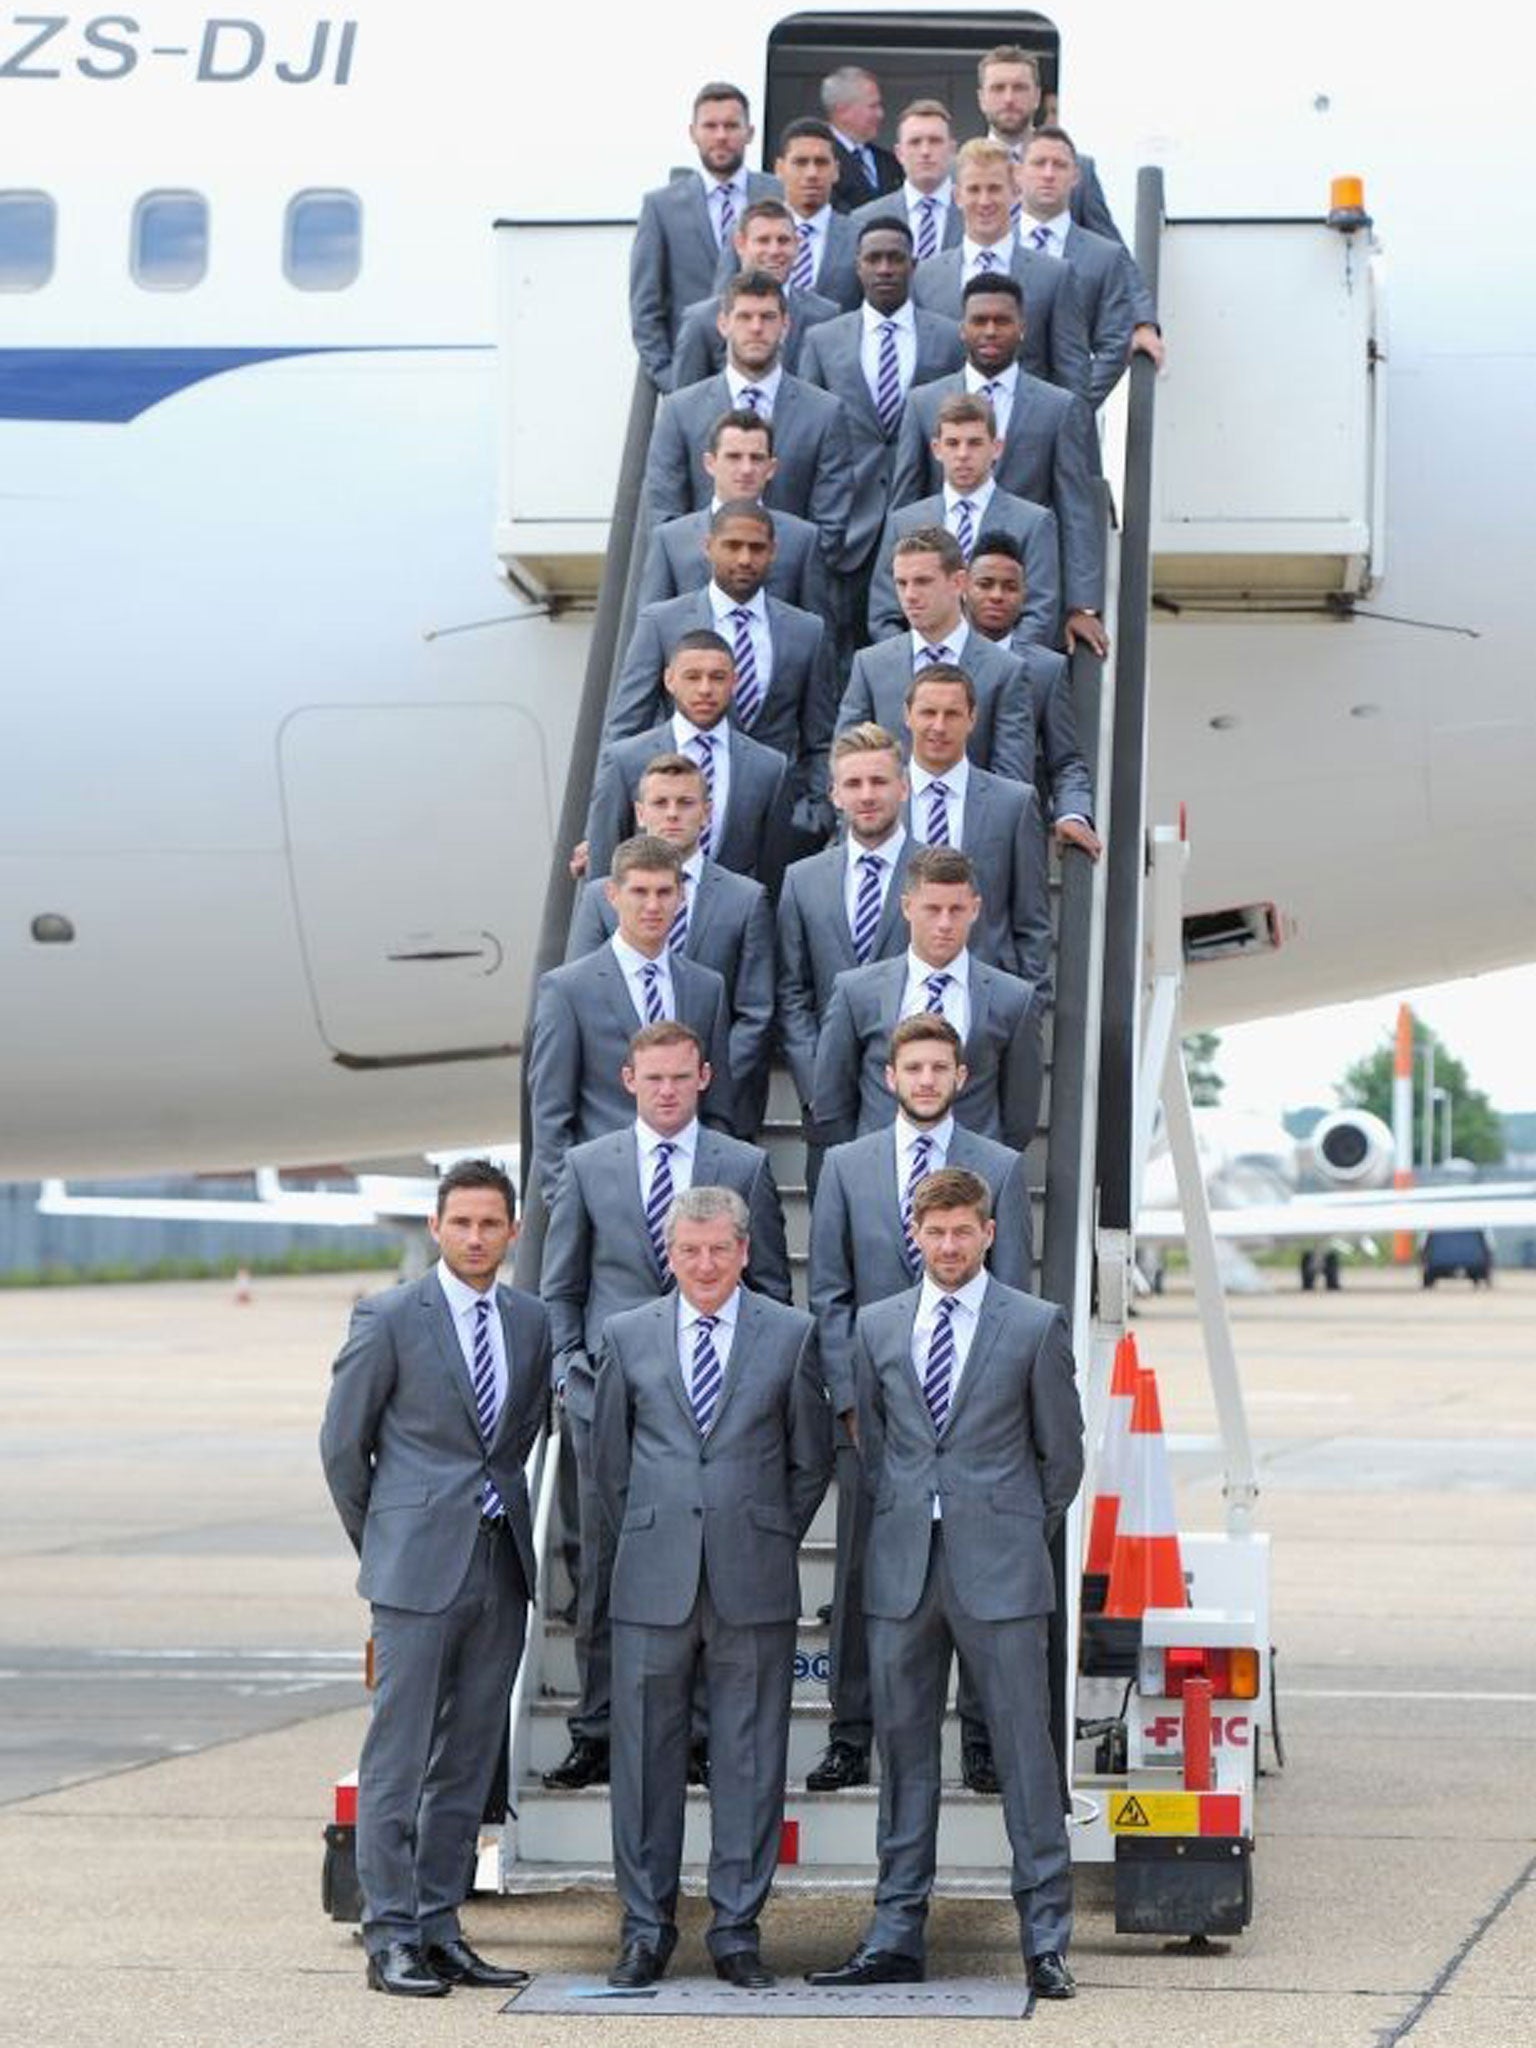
{"x":109,"y":386}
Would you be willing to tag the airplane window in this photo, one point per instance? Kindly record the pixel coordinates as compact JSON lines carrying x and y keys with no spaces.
{"x":170,"y":241}
{"x":27,"y":227}
{"x":323,"y":240}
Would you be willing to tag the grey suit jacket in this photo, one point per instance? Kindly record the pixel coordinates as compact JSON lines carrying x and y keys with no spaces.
{"x":1055,"y":343}
{"x":951,"y":228}
{"x":1105,"y":279}
{"x":810,"y":440}
{"x":816,"y":946}
{"x":1003,"y":1470}
{"x":597,"y":1253}
{"x":1032,"y":526}
{"x":795,"y":717}
{"x":1050,"y":456}
{"x":857,"y":1249}
{"x":401,"y":1442}
{"x":583,"y":1021}
{"x":754,"y":805}
{"x":1001,"y":1096}
{"x":730,"y":928}
{"x":1090,"y":209}
{"x":700,"y":350}
{"x":836,"y":277}
{"x":672,"y":261}
{"x":1001,"y":833}
{"x":733,"y":1504}
{"x":675,"y":563}
{"x":832,"y":359}
{"x":877,"y":689}
{"x":1062,"y":774}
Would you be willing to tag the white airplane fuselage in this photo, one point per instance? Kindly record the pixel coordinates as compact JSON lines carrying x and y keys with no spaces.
{"x":296,"y":799}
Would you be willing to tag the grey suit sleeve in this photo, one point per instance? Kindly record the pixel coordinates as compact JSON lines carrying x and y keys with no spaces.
{"x":1111,"y":336}
{"x":362,"y":1380}
{"x":858,"y":701}
{"x":1042,"y":580}
{"x":812,"y":370}
{"x":610,"y":814}
{"x":656,"y":579}
{"x":808,"y":1449}
{"x":833,"y":1299}
{"x":1031,"y":892}
{"x":815,"y":590}
{"x":1093,"y":212}
{"x":831,"y":504}
{"x":668,"y":468}
{"x":586,"y":933}
{"x":797,"y":1019}
{"x":1067,"y":771}
{"x":610,"y":1442}
{"x":835,"y":1087}
{"x":818,"y":709}
{"x":1013,"y":739}
{"x":565,"y":1272}
{"x":752,"y":997}
{"x":530,"y":1417}
{"x":870,"y":1402}
{"x":648,"y":294}
{"x":1069,"y":351}
{"x":885,"y":614}
{"x":1013,"y":1248}
{"x":1056,"y":1420}
{"x":1075,"y":496}
{"x":693,"y":359}
{"x":768,"y":1251}
{"x":554,"y":1084}
{"x":719,"y":1106}
{"x":913,"y":465}
{"x":638,"y":701}
{"x":1020,"y":1074}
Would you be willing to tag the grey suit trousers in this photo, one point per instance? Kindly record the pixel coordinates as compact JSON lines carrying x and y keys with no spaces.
{"x":749,"y":1672}
{"x":412,"y":1860}
{"x":909,"y":1662}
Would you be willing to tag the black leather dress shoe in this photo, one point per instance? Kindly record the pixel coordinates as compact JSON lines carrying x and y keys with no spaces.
{"x":401,"y":1970}
{"x":871,"y":1966}
{"x":978,"y":1768}
{"x":587,"y":1764}
{"x":639,"y":1965}
{"x":1049,"y":1976}
{"x":743,"y":1967}
{"x":842,"y":1764}
{"x":456,"y":1963}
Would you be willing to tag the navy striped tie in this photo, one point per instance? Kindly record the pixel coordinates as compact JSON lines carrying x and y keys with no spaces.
{"x":657,"y":1202}
{"x":888,"y":380}
{"x":1040,"y":238}
{"x":921,"y":1152}
{"x":483,"y":1375}
{"x":985,"y":261}
{"x":866,"y":907}
{"x":703,"y":746}
{"x":727,"y":214}
{"x":938,"y":815}
{"x":802,"y":273}
{"x":965,"y":527}
{"x":755,"y":398}
{"x":936,"y":985}
{"x":927,"y":228}
{"x":650,"y":982}
{"x":927,"y":654}
{"x":748,"y":696}
{"x":704,"y":1393}
{"x":939,"y":1378}
{"x":677,"y":930}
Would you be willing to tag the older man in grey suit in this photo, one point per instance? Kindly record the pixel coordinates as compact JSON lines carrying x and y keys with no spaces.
{"x":436,"y":1398}
{"x":605,"y":1252}
{"x":929,"y":573}
{"x":972,"y":1437}
{"x":684,"y":224}
{"x":997,"y":1015}
{"x":862,"y":1250}
{"x":712,"y":1446}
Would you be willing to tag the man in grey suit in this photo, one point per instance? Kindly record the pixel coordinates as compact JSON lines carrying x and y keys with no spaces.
{"x":765,"y":240}
{"x":436,"y":1399}
{"x":739,"y":459}
{"x":813,"y":477}
{"x":972,"y":1439}
{"x":997,"y":1015}
{"x":994,"y":603}
{"x":743,"y":780}
{"x":862,"y":1250}
{"x":786,"y":682}
{"x":1054,"y":343}
{"x":992,"y":819}
{"x":925,"y":149}
{"x":684,"y":224}
{"x":842,"y":907}
{"x":711,"y":1446}
{"x":1050,"y":449}
{"x":870,"y":359}
{"x":1046,"y":174}
{"x":929,"y":573}
{"x":604,"y":1252}
{"x":966,"y":448}
{"x":806,"y":168}
{"x":587,"y":1011}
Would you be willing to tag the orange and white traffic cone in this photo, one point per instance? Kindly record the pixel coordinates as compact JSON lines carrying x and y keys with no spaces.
{"x":1147,"y":1570}
{"x":1109,"y":1480}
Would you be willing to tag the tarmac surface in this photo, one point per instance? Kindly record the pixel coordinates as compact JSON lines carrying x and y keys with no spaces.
{"x":179,"y":1687}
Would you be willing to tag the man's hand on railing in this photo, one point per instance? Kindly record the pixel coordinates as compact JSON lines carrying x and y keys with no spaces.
{"x":1089,"y":628}
{"x":578,"y":861}
{"x":1078,"y":832}
{"x":1148,"y":340}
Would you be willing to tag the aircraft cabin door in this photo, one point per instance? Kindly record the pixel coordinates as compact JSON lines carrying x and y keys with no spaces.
{"x":417,"y":840}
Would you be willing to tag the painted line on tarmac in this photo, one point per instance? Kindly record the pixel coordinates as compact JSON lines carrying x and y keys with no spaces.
{"x":1328,"y":1692}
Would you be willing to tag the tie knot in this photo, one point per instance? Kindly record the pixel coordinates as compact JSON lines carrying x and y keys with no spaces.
{"x":965,"y":505}
{"x":887,"y":326}
{"x":706,"y":1324}
{"x":742,"y":616}
{"x":986,"y":260}
{"x":650,"y":971}
{"x":938,"y":789}
{"x":703,"y":743}
{"x":871,"y":863}
{"x":937,"y":983}
{"x":752,"y":396}
{"x":665,"y":1148}
{"x":927,"y":203}
{"x":804,"y":230}
{"x":482,"y":1308}
{"x":991,"y":388}
{"x":948,"y":1303}
{"x":939,"y":653}
{"x":921,"y":1147}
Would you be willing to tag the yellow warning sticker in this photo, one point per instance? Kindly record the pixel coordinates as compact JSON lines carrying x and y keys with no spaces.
{"x":1155,"y":1813}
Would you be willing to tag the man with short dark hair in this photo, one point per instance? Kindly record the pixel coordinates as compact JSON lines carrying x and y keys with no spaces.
{"x":806,"y":168}
{"x":764,"y":240}
{"x":850,"y":99}
{"x":436,"y":1399}
{"x":685,"y":223}
{"x":925,"y":150}
{"x":1046,"y":174}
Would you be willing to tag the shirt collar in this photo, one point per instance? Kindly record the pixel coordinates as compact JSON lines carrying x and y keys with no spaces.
{"x":684,"y":730}
{"x":684,"y":1141}
{"x":722,"y":606}
{"x":888,"y":849}
{"x":902,"y":317}
{"x":693,"y":866}
{"x":942,"y":1134}
{"x":819,"y":221}
{"x":912,"y":197}
{"x":460,"y":1296}
{"x":970,"y":1296}
{"x":735,"y":184}
{"x":975,"y":379}
{"x":726,"y":1313}
{"x":1058,"y":223}
{"x":768,"y":383}
{"x":978,"y":500}
{"x":954,"y":779}
{"x":954,"y":640}
{"x":1003,"y":249}
{"x":958,"y":970}
{"x":853,"y":148}
{"x":632,"y":962}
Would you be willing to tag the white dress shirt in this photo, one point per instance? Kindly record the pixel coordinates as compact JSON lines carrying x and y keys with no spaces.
{"x":462,"y":1301}
{"x":906,"y":347}
{"x":1007,"y":383}
{"x":684,"y":733}
{"x":970,"y":257}
{"x":713,"y":187}
{"x":632,"y":965}
{"x":721,"y":1336}
{"x":889,"y":851}
{"x":819,"y":224}
{"x":955,"y":781}
{"x":939,"y":1136}
{"x":1056,"y":228}
{"x":692,"y":875}
{"x":954,"y":640}
{"x":684,"y":1144}
{"x":962,"y":1322}
{"x":756,"y":607}
{"x":768,"y":385}
{"x":978,"y":500}
{"x":957,"y":995}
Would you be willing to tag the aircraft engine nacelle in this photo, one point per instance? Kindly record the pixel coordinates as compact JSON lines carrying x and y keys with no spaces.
{"x":1352,"y":1149}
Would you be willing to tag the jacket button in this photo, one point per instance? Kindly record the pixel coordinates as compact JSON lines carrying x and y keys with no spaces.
{"x":698,"y":1511}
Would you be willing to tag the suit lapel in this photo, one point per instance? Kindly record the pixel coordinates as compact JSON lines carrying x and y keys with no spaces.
{"x":669,"y":1316}
{"x":516,"y":1364}
{"x":706,"y":898}
{"x":890,"y":913}
{"x":908,"y":1365}
{"x":855,"y":382}
{"x":696,"y":212}
{"x":981,"y":1005}
{"x":446,"y":1340}
{"x":616,"y":990}
{"x":988,"y":1323}
{"x":748,"y":1318}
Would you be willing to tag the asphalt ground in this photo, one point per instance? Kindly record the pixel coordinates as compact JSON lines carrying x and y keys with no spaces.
{"x":179,"y":1654}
